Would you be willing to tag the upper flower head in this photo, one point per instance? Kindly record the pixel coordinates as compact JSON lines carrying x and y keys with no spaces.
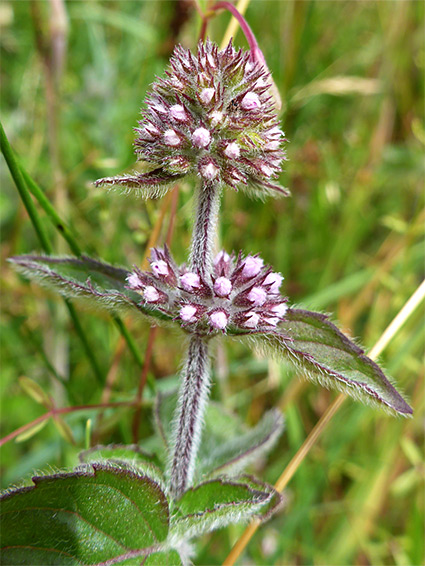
{"x":212,"y":116}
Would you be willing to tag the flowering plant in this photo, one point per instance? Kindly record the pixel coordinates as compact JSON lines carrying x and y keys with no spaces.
{"x":213,"y":118}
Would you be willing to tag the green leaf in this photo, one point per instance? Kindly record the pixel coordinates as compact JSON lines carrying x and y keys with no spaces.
{"x":228,"y":446}
{"x":88,"y":516}
{"x":98,"y":283}
{"x":130,"y":456}
{"x":163,"y":559}
{"x":217,"y":503}
{"x":234,"y":453}
{"x":119,"y":452}
{"x":315,"y":345}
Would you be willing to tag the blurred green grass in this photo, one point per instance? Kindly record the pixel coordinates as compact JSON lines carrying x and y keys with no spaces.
{"x":349,"y":241}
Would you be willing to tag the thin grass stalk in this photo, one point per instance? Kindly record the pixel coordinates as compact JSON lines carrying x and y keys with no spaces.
{"x":23,"y":191}
{"x":87,"y":347}
{"x":44,"y":241}
{"x":63,"y":411}
{"x":50,"y":211}
{"x":61,"y":227}
{"x":142,"y":382}
{"x":389,"y":333}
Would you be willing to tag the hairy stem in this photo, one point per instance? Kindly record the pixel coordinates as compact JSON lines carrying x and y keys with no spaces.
{"x":206,"y":215}
{"x":196,"y":379}
{"x":189,"y":415}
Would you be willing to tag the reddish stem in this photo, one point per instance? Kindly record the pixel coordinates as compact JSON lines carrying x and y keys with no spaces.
{"x":63,"y":411}
{"x":256,"y":53}
{"x":142,"y":383}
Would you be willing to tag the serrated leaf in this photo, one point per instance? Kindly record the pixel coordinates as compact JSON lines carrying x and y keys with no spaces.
{"x":128,"y":456}
{"x":35,"y":391}
{"x":217,"y":503}
{"x":88,"y":516}
{"x":326,"y":355}
{"x":98,"y":284}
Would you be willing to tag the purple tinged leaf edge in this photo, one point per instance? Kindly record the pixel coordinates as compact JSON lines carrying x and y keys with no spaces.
{"x":284,"y":343}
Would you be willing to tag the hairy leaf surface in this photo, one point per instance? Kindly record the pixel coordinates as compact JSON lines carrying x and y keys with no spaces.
{"x":234,"y":453}
{"x":97,"y":283}
{"x":217,"y":503}
{"x":326,"y":355}
{"x":84,"y":517}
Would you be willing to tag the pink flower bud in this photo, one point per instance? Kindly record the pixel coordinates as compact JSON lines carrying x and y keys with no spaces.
{"x":275,"y":280}
{"x":207,"y":95}
{"x":266,"y":170}
{"x":151,"y":294}
{"x":257,"y":296}
{"x":209,"y":171}
{"x":178,"y":112}
{"x":251,"y":101}
{"x":275,"y":131}
{"x":151,"y":129}
{"x":160,"y":268}
{"x":134,"y":281}
{"x":273,"y":321}
{"x":211,"y":60}
{"x":252,"y":266}
{"x":171,"y":138}
{"x":190,"y":281}
{"x":252,"y":319}
{"x":232,"y":151}
{"x":159,"y":107}
{"x":221,"y":256}
{"x":201,"y":137}
{"x":222,"y":287}
{"x":272,"y":145}
{"x":279,"y":309}
{"x":188,"y":313}
{"x":219,"y":320}
{"x":216,"y":118}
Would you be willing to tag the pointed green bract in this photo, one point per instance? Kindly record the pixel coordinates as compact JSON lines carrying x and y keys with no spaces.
{"x":84,"y":517}
{"x":326,"y":355}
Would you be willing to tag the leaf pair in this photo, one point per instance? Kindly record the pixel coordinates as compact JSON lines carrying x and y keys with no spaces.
{"x":107,"y":513}
{"x":307,"y":339}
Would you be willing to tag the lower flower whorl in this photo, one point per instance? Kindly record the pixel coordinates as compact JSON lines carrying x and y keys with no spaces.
{"x":242,"y":295}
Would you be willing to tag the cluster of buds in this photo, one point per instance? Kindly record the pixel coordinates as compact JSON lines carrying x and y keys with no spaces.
{"x":242,"y":294}
{"x":212,"y":116}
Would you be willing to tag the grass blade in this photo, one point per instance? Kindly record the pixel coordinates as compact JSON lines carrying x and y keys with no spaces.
{"x":44,"y":241}
{"x":15,"y":171}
